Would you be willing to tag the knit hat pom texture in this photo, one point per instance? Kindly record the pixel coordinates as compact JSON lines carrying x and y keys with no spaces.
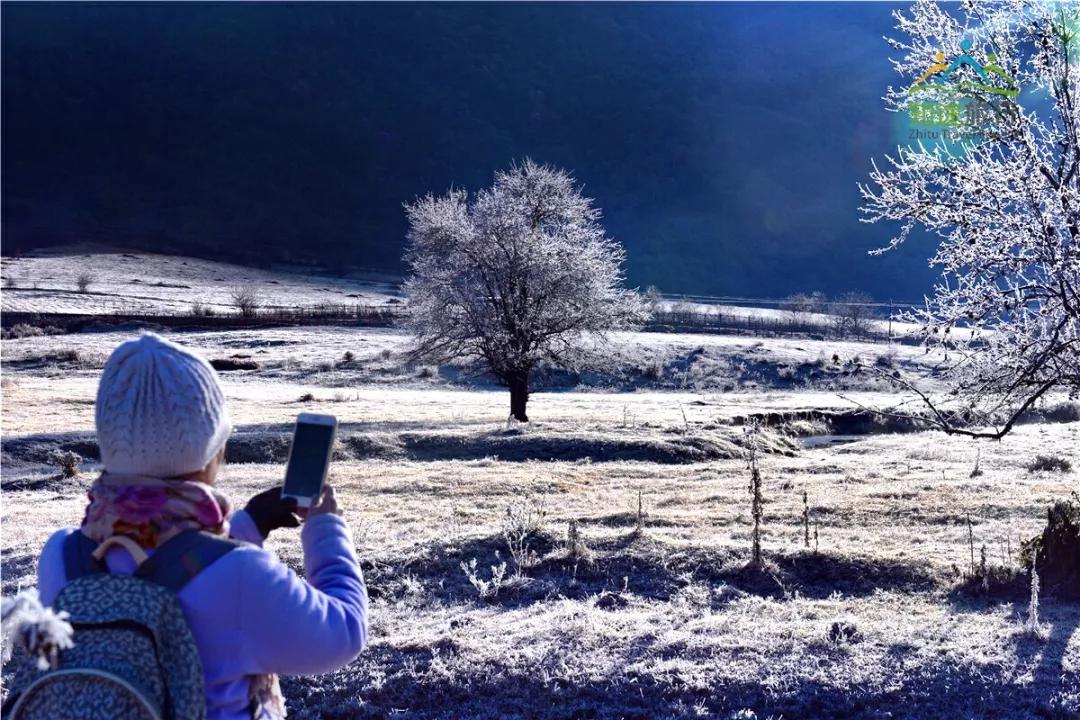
{"x":160,"y":410}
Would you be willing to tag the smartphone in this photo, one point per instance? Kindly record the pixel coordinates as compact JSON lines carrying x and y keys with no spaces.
{"x":309,"y":458}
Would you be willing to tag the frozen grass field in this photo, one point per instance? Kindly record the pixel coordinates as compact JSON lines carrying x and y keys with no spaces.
{"x":128,"y":282}
{"x":649,"y":613}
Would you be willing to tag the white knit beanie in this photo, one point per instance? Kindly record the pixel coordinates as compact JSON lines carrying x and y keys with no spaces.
{"x":160,"y":410}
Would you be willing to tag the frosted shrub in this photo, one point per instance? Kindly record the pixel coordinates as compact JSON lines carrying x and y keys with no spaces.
{"x":246,"y":301}
{"x":653,"y":300}
{"x":21,"y":330}
{"x":67,"y":461}
{"x":852,"y":314}
{"x":843,"y":632}
{"x":1049,"y":463}
{"x":801,"y":305}
{"x":576,"y":549}
{"x":83,"y":281}
{"x":1033,"y":628}
{"x":521,"y":522}
{"x":654,"y":370}
{"x":488,"y":589}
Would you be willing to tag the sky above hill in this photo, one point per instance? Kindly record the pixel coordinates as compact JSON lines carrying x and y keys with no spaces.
{"x":722,"y":141}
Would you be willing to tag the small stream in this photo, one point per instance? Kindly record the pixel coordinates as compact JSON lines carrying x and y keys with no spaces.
{"x":835,"y":427}
{"x":812,"y":442}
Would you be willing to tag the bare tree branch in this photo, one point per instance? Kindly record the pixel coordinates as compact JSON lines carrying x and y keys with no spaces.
{"x":1004,"y":208}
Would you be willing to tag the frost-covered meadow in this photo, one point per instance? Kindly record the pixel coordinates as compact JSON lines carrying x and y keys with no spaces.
{"x":611,"y":534}
{"x":150,"y":283}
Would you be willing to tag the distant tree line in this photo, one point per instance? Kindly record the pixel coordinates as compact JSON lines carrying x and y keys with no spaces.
{"x":849,"y":314}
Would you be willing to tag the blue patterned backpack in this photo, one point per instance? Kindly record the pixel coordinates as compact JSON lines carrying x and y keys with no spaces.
{"x":134,"y":655}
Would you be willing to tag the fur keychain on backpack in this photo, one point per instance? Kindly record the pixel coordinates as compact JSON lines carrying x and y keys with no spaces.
{"x":266,"y":699}
{"x":39,"y":630}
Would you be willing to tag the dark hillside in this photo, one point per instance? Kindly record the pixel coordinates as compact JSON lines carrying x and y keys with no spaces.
{"x":722,"y":141}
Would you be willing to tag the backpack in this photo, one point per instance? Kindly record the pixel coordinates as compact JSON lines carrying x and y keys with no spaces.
{"x":134,"y":655}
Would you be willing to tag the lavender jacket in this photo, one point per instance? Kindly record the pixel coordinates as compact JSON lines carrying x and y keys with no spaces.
{"x":252,"y":615}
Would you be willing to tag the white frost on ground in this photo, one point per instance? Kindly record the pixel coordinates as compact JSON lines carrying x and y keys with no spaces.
{"x":147,"y":283}
{"x":662,"y":623}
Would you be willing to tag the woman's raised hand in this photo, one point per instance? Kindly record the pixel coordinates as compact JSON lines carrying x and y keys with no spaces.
{"x":271,"y":511}
{"x":327,"y":504}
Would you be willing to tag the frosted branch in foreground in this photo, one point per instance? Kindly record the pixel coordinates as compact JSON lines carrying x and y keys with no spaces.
{"x":1006,"y":208}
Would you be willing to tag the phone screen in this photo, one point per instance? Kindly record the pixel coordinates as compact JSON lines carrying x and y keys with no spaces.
{"x":307,"y":463}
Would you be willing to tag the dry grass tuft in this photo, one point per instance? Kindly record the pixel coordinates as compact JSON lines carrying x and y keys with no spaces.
{"x":1049,"y":463}
{"x":67,"y":461}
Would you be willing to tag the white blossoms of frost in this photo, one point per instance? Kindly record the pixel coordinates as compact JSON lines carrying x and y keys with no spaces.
{"x":1005,"y":206}
{"x":520,"y":273}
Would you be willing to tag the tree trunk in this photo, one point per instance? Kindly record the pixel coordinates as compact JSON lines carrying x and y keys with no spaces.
{"x":519,"y":395}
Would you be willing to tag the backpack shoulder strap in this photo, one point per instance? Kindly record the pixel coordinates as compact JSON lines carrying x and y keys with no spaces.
{"x":79,"y":557}
{"x":179,"y":560}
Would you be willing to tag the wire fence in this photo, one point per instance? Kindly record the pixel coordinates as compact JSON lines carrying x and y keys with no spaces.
{"x":816,"y":326}
{"x":780,"y":303}
{"x":682,"y":318}
{"x":359,"y":315}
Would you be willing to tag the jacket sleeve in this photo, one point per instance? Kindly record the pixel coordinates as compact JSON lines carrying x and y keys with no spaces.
{"x":242,"y":527}
{"x":297,"y":627}
{"x":51,"y":575}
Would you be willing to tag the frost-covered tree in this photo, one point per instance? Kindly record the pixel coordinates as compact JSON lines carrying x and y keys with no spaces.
{"x":852,"y":314}
{"x":1004,"y":199}
{"x":802,"y":305}
{"x":520,"y":273}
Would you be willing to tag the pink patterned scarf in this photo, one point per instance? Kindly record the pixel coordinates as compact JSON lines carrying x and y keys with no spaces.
{"x":149,"y":511}
{"x":152,"y":510}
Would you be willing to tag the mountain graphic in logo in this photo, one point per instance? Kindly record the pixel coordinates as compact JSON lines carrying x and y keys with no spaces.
{"x":952,"y":78}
